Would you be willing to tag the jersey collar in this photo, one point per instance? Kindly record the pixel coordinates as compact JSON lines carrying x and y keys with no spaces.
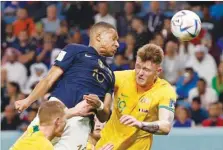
{"x":93,"y":50}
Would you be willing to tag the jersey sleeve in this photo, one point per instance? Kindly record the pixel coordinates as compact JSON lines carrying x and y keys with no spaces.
{"x":168,"y":100}
{"x":66,"y":57}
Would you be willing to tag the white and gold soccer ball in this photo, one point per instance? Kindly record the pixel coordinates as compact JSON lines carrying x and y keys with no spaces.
{"x":185,"y":25}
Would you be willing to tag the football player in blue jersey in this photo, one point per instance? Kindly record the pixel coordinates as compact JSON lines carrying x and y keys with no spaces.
{"x":80,"y":75}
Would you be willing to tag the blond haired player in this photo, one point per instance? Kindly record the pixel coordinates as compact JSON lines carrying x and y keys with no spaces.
{"x":143,"y":104}
{"x":52,"y":120}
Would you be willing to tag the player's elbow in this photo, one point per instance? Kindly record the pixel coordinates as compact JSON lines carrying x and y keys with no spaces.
{"x":167,"y":129}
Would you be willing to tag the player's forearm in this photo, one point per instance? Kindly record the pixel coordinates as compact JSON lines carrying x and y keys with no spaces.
{"x":40,"y":90}
{"x":71,"y":113}
{"x":157,"y":127}
{"x":103,"y":115}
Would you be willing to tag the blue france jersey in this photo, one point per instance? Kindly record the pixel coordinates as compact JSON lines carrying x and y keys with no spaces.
{"x":85,"y":72}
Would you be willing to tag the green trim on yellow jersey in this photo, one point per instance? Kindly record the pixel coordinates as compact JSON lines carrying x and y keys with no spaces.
{"x":166,"y":107}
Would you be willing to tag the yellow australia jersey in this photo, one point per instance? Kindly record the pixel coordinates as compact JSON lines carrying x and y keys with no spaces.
{"x":142,"y":106}
{"x":33,"y":139}
{"x":90,"y":146}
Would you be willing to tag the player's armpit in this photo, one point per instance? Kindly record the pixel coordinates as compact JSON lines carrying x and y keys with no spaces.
{"x":161,"y":126}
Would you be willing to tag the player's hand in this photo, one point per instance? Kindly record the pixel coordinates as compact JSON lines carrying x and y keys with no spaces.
{"x":107,"y":147}
{"x":21,"y":105}
{"x":83,"y":109}
{"x":93,"y":100}
{"x":130,"y":121}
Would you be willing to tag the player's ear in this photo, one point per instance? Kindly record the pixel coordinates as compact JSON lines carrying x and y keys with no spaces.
{"x":98,"y":37}
{"x":159,"y":70}
{"x":57,"y":121}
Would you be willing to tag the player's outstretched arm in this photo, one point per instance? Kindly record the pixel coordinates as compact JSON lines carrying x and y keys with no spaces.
{"x":161,"y":126}
{"x":41,"y":88}
{"x":104,"y":114}
{"x":82,"y":109}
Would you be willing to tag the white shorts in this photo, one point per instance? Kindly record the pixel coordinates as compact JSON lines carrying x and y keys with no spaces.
{"x":75,"y":134}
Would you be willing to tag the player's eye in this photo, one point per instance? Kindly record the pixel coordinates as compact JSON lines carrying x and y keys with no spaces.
{"x":146,"y":69}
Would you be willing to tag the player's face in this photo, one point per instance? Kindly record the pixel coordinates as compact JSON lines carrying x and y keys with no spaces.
{"x":109,"y":42}
{"x":146,"y":72}
{"x":97,"y":128}
{"x":59,"y":126}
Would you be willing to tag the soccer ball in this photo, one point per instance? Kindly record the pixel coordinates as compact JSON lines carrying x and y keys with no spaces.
{"x":185,"y":25}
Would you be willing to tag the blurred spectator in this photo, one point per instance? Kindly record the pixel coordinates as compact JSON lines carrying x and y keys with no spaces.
{"x":119,"y":63}
{"x":130,"y":46}
{"x":51,"y":23}
{"x":38,"y":71}
{"x":186,"y":82}
{"x":171,"y":64}
{"x":10,"y":120}
{"x":26,"y":48}
{"x":166,"y":31}
{"x":124,"y":19}
{"x":62,"y":35}
{"x":9,"y":38}
{"x":79,"y":14}
{"x":158,"y":39}
{"x":15,"y":71}
{"x":154,"y":19}
{"x":221,"y":97}
{"x":36,"y":10}
{"x":76,"y":38}
{"x":214,"y":116}
{"x":207,"y":21}
{"x":198,"y":114}
{"x":203,"y":63}
{"x":10,"y":8}
{"x":44,"y":54}
{"x":23,"y":22}
{"x":220,"y":105}
{"x":103,"y":15}
{"x":183,"y":118}
{"x":11,"y":94}
{"x":217,"y":82}
{"x":186,"y":50}
{"x":140,"y":32}
{"x":31,"y":115}
{"x":206,"y":94}
{"x":38,"y":35}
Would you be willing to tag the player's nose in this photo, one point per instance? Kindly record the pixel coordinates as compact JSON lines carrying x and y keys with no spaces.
{"x":117,"y":44}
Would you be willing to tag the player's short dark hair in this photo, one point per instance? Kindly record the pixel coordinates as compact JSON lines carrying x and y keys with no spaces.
{"x":151,"y":52}
{"x":197,"y":100}
{"x":102,"y":25}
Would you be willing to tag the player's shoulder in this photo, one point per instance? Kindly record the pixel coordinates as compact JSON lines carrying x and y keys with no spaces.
{"x":165,"y":87}
{"x":125,"y":73}
{"x":75,"y":48}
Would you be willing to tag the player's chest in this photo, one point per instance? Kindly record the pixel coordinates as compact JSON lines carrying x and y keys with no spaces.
{"x":94,"y":66}
{"x":129,"y":102}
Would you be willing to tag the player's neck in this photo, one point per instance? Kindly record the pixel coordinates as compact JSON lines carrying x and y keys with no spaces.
{"x":47,"y":131}
{"x":97,"y":49}
{"x":142,"y":89}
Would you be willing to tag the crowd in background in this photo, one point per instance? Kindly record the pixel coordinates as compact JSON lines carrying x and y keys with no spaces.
{"x":33,"y":33}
